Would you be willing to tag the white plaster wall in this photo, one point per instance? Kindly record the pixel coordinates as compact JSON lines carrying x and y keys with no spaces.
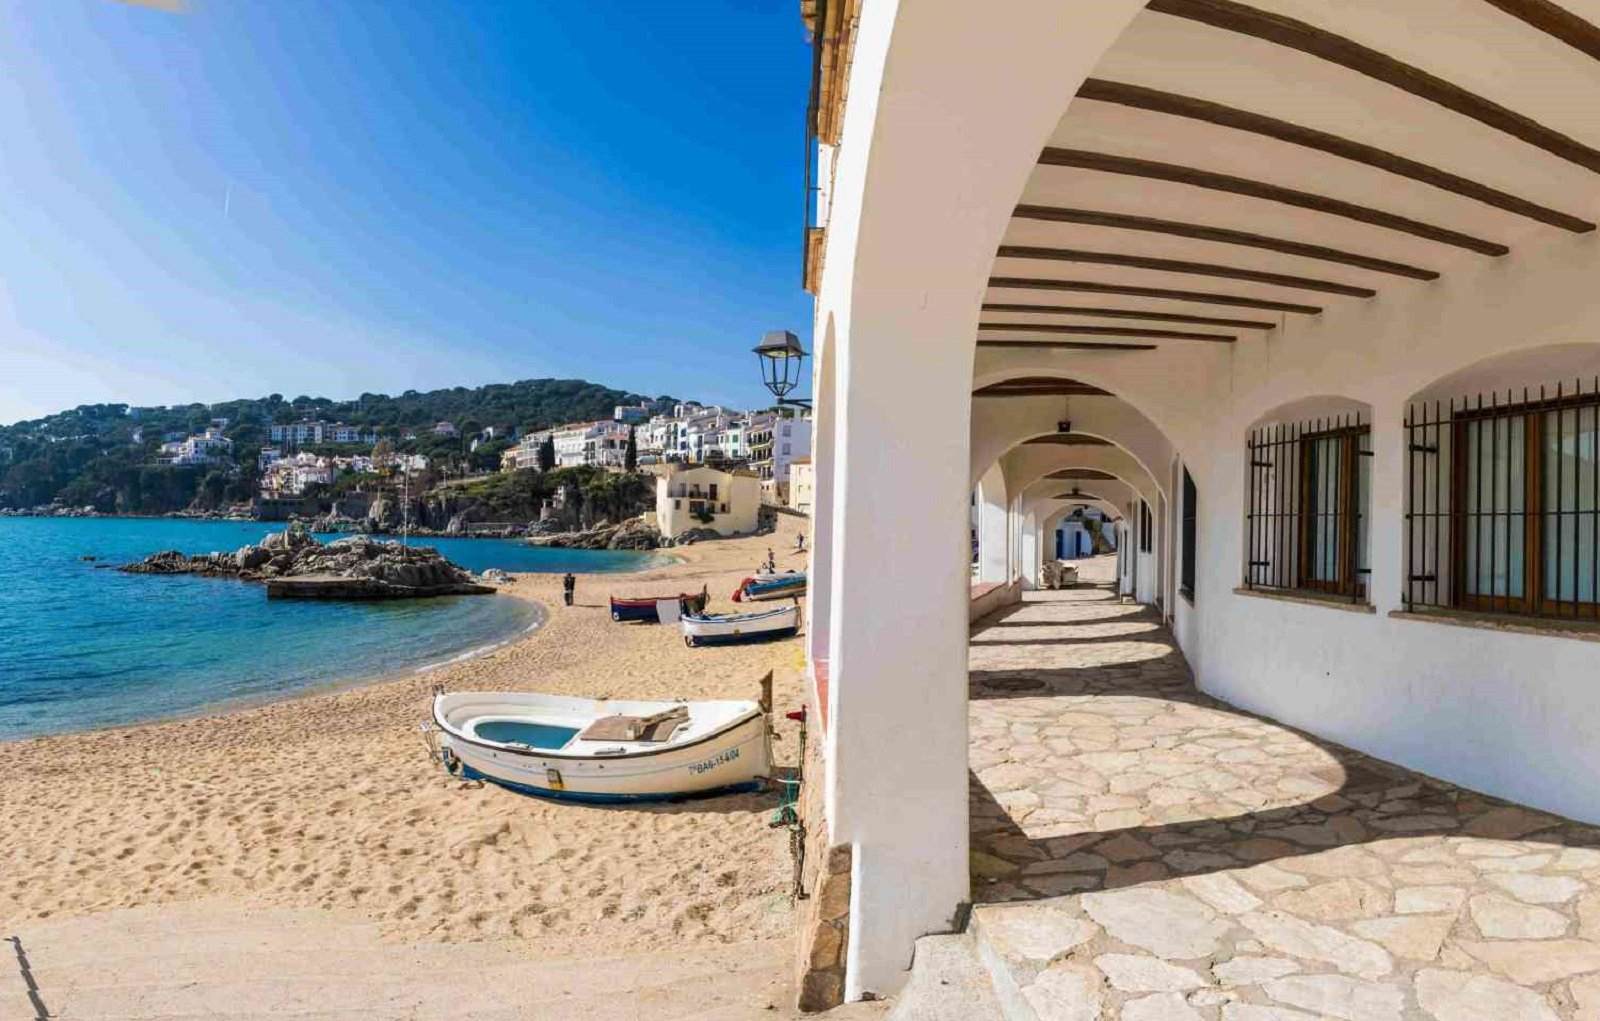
{"x":1032,"y":549}
{"x":819,"y":591}
{"x":994,"y":527}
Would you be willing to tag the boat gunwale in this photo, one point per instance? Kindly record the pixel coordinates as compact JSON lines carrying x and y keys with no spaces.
{"x":724,"y":618}
{"x":454,"y":733}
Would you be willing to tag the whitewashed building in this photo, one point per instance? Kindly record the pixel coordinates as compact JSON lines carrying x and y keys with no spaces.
{"x":313,"y":432}
{"x":1302,"y":294}
{"x":632,"y":414}
{"x":802,"y":485}
{"x":207,"y":448}
{"x":791,"y":439}
{"x":603,"y":443}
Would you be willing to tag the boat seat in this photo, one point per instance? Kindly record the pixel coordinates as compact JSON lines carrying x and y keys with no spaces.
{"x":652,"y":729}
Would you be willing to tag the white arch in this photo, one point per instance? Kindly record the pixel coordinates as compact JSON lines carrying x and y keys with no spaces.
{"x":1026,"y":466}
{"x":999,"y":426}
{"x":920,"y":133}
{"x":1144,"y":385}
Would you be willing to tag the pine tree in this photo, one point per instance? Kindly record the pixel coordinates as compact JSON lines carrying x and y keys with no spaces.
{"x":547,"y":454}
{"x":630,"y":458}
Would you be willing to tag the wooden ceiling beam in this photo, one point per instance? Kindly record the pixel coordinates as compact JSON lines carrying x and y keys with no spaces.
{"x":1291,"y":33}
{"x":1183,"y":266}
{"x":1221,"y":235}
{"x":1083,"y":497}
{"x":1128,"y":313}
{"x":1067,"y":440}
{"x":1085,"y":474}
{"x":1556,"y":21}
{"x":1108,"y":331}
{"x":1200,"y":297}
{"x":1155,"y":170}
{"x":1033,"y":386}
{"x":1141,"y":98}
{"x":1041,"y":391}
{"x":1066,"y":345}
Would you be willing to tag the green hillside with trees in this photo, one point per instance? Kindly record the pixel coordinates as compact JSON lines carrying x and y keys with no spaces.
{"x":105,"y":455}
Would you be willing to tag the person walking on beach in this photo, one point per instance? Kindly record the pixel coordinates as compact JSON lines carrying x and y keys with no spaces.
{"x":800,"y":543}
{"x":771,"y":566}
{"x":568,"y":585}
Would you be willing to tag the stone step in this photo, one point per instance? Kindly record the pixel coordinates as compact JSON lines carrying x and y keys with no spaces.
{"x":1014,"y":943}
{"x":948,"y":983}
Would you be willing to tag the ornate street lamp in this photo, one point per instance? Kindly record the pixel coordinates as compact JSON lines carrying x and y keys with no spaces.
{"x":780,"y":356}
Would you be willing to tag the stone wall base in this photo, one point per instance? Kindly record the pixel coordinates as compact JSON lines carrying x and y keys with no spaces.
{"x":823,"y":918}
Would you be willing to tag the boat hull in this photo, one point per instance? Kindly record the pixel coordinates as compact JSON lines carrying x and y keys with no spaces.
{"x":634,"y":610}
{"x":771,"y":586}
{"x":735,"y":629}
{"x":644,"y":608}
{"x":791,"y":592}
{"x":737,"y":758}
{"x":586,"y":798}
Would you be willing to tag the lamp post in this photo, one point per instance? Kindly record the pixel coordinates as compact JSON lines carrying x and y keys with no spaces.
{"x":780,"y":355}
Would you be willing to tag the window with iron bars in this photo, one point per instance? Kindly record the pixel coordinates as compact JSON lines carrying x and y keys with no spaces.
{"x":1191,"y":529}
{"x":1310,"y":494}
{"x":1503,"y":503}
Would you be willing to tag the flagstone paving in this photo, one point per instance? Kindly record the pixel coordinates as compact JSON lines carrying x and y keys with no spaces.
{"x":1145,"y":853}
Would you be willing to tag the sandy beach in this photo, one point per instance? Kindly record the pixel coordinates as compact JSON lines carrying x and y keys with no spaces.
{"x":329,"y":801}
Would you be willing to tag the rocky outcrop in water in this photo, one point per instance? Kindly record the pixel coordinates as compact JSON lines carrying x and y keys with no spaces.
{"x":294,"y":564}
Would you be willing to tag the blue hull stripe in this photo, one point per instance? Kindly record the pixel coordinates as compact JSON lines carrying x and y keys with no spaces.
{"x":753,"y":636}
{"x":468,"y":773}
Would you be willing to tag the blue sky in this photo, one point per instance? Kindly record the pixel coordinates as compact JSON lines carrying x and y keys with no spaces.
{"x":330,"y":198}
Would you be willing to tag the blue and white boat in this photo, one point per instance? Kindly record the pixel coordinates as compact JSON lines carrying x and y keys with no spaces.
{"x":580,"y":749}
{"x":772,"y":586}
{"x":733,"y":628}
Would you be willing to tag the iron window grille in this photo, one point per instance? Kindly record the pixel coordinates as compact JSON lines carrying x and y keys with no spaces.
{"x":1191,"y":499}
{"x":1503,"y":503}
{"x":1310,"y":486}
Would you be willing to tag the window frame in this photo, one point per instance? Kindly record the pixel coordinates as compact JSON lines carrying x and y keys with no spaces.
{"x":1308,"y":487}
{"x":1190,"y":518}
{"x":1348,"y":512}
{"x":1532,"y":603}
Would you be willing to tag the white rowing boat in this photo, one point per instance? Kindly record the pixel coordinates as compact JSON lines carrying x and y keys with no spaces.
{"x":579,"y":749}
{"x":731,"y":628}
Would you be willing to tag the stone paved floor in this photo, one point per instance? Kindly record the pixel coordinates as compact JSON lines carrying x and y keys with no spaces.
{"x":1142,"y":852}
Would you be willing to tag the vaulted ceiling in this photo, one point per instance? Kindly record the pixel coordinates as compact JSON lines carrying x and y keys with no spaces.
{"x":1230,"y":167}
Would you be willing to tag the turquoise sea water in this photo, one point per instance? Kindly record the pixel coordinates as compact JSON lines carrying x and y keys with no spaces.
{"x":83,"y":647}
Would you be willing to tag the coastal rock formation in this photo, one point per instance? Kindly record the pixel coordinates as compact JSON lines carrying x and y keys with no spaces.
{"x":355,"y":568}
{"x":633,"y":534}
{"x":690,"y":536}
